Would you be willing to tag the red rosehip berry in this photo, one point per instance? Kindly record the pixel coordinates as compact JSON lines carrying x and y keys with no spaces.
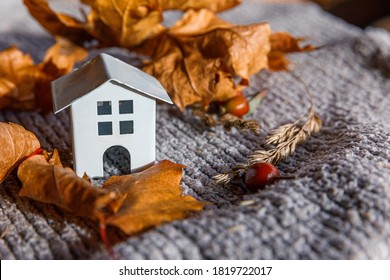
{"x":222,"y":102}
{"x":237,"y":106}
{"x":259,"y":175}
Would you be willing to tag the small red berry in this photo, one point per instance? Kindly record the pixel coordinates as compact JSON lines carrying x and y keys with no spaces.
{"x":259,"y":175}
{"x":238,"y":106}
{"x":221,"y":102}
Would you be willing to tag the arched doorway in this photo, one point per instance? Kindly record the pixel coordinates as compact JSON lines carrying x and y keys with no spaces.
{"x":116,"y":161}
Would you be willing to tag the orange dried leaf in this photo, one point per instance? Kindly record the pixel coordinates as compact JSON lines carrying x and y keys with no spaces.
{"x":26,"y":86}
{"x":197,"y":60}
{"x":244,"y":49}
{"x":62,"y":56}
{"x":59,"y":60}
{"x":285,"y":42}
{"x":277,"y":61}
{"x":151,"y":198}
{"x":215,"y":5}
{"x":17,"y":80}
{"x":17,"y":144}
{"x":124,"y":23}
{"x":57,"y":23}
{"x":49,"y":182}
{"x":55,"y":159}
{"x":282,"y":43}
{"x":197,"y":23}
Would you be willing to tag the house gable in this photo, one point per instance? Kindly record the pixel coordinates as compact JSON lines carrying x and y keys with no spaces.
{"x":95,"y":73}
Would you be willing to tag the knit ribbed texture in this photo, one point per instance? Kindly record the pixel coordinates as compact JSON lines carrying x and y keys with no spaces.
{"x":337,"y":208}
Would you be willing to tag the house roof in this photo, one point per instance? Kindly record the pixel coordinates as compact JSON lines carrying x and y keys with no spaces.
{"x":99,"y":70}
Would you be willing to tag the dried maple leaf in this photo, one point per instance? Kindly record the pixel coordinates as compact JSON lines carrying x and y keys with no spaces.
{"x":128,"y":23}
{"x":215,"y":5}
{"x":282,"y":43}
{"x":150,"y":198}
{"x":16,"y":144}
{"x":197,"y":60}
{"x":57,"y":23}
{"x":124,"y":23}
{"x":49,"y":182}
{"x":285,"y":42}
{"x":26,"y":86}
{"x":58,"y":61}
{"x":133,"y":202}
{"x":17,"y":80}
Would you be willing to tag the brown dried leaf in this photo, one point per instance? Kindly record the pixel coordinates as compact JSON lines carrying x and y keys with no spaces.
{"x":26,"y":86}
{"x":49,"y":182}
{"x":282,"y":43}
{"x":243,"y":49}
{"x":17,"y":80}
{"x":151,"y":198}
{"x":285,"y":42}
{"x":62,"y":56}
{"x":59,"y":60}
{"x":215,"y":5}
{"x":57,"y":23}
{"x":16,"y":144}
{"x":124,"y":23}
{"x":277,"y":61}
{"x":197,"y":60}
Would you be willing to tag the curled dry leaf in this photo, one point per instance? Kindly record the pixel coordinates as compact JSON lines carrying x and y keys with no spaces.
{"x":281,"y":44}
{"x":57,"y":23}
{"x":150,"y":198}
{"x":17,"y":143}
{"x":58,"y":61}
{"x":215,"y":5}
{"x":132,"y":202}
{"x":45,"y":180}
{"x":17,"y":80}
{"x":197,"y":60}
{"x":123,"y":23}
{"x":285,"y":42}
{"x":25,"y":85}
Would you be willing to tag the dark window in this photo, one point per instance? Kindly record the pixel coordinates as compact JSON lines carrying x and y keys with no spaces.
{"x":104,"y":108}
{"x":105,"y":128}
{"x":126,"y":107}
{"x":126,"y":127}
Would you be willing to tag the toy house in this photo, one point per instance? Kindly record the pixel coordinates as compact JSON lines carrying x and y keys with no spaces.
{"x":112,"y":108}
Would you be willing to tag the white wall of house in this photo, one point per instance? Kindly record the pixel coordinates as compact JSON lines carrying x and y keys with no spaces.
{"x":89,"y":147}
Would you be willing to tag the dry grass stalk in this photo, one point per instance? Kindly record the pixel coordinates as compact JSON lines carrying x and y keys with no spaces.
{"x":226,"y":178}
{"x":228,"y":121}
{"x":208,"y":119}
{"x":284,"y":139}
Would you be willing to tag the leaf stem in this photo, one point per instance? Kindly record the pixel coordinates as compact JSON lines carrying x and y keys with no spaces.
{"x":103,"y":236}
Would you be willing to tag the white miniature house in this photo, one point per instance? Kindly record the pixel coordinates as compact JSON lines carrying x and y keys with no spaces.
{"x":112,"y":105}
